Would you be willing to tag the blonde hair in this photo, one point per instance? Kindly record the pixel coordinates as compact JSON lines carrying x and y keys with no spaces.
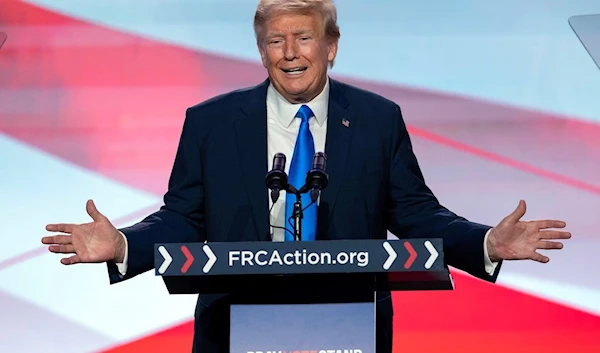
{"x":268,"y":8}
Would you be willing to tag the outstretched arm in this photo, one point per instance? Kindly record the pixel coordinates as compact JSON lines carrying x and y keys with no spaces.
{"x":413,"y":211}
{"x":181,"y":219}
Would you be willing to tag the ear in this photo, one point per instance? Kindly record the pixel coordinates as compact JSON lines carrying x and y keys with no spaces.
{"x":263,"y":54}
{"x":332,"y":49}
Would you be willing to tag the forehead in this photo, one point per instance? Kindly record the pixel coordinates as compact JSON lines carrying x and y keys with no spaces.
{"x":293,"y":23}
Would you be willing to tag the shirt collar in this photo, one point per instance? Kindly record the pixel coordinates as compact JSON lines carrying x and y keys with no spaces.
{"x":285,"y":111}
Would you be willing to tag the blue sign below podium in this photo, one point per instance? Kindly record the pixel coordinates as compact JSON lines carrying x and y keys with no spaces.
{"x":303,"y":328}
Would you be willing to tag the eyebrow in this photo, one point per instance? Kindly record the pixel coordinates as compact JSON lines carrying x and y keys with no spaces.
{"x":296,"y":33}
{"x":303,"y":31}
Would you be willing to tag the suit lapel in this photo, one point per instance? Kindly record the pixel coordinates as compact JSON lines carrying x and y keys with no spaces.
{"x":337,"y":145}
{"x":251,"y":133}
{"x":251,"y":137}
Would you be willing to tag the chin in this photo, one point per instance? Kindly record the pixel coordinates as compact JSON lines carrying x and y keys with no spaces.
{"x":293,"y":88}
{"x":296,"y":87}
{"x":299,"y":96}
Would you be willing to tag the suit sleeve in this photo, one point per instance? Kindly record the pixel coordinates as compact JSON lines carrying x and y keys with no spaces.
{"x":413,"y":211}
{"x":181,"y":219}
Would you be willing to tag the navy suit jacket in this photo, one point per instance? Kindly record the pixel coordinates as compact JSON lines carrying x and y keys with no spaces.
{"x":217,"y":191}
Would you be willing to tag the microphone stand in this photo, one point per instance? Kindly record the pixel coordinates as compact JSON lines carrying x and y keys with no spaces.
{"x":298,"y":215}
{"x":297,"y":212}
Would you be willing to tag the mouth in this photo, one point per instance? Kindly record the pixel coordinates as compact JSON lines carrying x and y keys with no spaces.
{"x":295,"y":71}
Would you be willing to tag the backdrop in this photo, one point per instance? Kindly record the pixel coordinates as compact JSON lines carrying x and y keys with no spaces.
{"x":500,"y":97}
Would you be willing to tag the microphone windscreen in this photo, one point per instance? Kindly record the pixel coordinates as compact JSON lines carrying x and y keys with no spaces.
{"x":319,"y":161}
{"x":279,"y":162}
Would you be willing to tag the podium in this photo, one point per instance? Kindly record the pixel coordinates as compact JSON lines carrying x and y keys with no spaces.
{"x":318,"y":296}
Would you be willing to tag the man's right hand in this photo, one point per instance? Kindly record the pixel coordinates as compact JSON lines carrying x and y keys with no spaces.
{"x":94,"y":242}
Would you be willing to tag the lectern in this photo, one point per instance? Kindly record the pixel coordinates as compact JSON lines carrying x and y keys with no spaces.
{"x":317,"y":296}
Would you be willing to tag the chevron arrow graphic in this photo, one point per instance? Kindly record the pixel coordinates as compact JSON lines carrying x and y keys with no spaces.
{"x":392,"y":255}
{"x":168,"y":259}
{"x":434,"y":254}
{"x":211,"y":258}
{"x":189,"y":259}
{"x":412,"y":255}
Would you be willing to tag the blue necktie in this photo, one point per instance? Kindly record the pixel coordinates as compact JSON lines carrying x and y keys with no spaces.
{"x":301,"y":164}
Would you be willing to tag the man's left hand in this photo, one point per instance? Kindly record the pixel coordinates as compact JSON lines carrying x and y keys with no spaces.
{"x":514,"y":239}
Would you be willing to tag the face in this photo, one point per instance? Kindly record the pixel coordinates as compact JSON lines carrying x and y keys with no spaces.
{"x":296,"y":55}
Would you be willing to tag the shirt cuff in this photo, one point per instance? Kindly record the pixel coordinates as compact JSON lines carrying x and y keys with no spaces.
{"x":122,"y":267}
{"x":490,"y":267}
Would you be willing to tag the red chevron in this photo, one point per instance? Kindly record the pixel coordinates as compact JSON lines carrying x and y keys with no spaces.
{"x":412,"y":257}
{"x":189,"y":259}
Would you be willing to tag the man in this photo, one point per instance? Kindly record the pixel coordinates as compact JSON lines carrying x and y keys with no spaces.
{"x":375,"y":181}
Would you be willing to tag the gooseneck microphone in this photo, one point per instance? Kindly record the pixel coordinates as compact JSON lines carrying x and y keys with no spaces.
{"x":316,"y":178}
{"x":277,"y":179}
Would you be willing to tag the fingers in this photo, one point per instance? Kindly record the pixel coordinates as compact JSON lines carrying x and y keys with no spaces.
{"x":546,"y":245}
{"x":91,"y":209}
{"x":70,"y":260}
{"x":540,"y":258}
{"x":62,"y":228}
{"x":554,"y":234}
{"x":62,"y":249}
{"x":519,"y":212}
{"x":548,"y":223}
{"x":550,"y":245}
{"x":57,"y":239}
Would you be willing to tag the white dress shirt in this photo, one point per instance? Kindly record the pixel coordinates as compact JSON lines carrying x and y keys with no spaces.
{"x":282,"y":130}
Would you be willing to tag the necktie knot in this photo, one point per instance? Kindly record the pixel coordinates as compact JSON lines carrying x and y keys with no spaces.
{"x":304,"y":113}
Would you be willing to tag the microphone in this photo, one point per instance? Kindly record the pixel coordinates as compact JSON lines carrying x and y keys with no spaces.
{"x":276,"y":180}
{"x":316,"y":178}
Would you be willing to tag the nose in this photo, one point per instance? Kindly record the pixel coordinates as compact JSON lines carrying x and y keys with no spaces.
{"x":290,"y":50}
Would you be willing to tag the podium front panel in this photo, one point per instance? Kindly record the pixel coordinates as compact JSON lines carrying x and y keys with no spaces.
{"x":260,"y":258}
{"x":340,"y":327}
{"x":236,"y":267}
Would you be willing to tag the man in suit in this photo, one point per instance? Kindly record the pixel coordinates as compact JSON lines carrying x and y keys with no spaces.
{"x":375,"y":183}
